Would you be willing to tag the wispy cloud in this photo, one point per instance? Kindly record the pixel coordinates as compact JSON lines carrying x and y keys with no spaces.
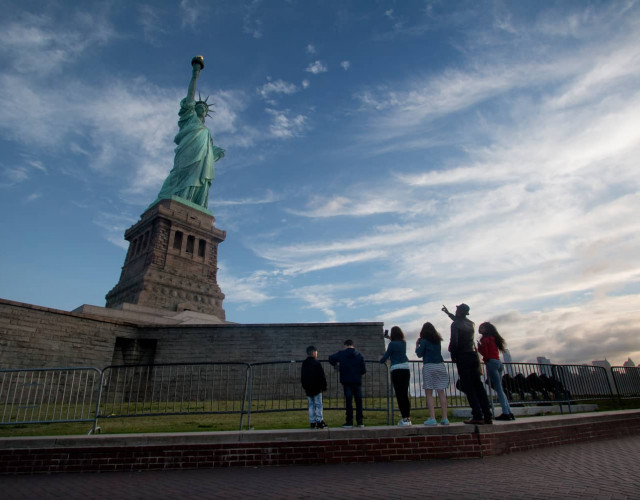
{"x":277,"y":87}
{"x":285,"y":124}
{"x":252,"y":24}
{"x":152,"y":25}
{"x":43,"y":39}
{"x":253,"y":289}
{"x":128,"y":117}
{"x":345,"y":65}
{"x":369,"y":204}
{"x":535,"y":214}
{"x":269,"y":197}
{"x":114,"y":225}
{"x":192,"y":12}
{"x":15,"y":175}
{"x":317,"y":67}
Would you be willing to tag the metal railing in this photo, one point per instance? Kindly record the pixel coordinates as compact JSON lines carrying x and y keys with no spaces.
{"x":275,"y":387}
{"x":524,"y":384}
{"x":543,"y":384}
{"x":87,"y":394}
{"x":49,"y":395}
{"x":173,"y":389}
{"x":626,"y":380}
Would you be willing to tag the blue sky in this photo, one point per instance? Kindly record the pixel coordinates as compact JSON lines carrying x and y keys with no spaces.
{"x":383,"y":158}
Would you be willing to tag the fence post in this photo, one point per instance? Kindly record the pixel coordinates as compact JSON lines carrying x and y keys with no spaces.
{"x":248,"y":394}
{"x":97,"y":410}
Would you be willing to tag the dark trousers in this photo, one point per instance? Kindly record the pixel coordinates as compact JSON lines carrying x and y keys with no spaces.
{"x":468,"y":365}
{"x":353,"y":391}
{"x":400,"y":381}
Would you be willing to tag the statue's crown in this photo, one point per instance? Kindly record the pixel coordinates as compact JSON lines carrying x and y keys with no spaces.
{"x":206,"y":104}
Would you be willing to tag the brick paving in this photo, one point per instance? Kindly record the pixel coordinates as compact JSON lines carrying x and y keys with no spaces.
{"x":599,"y":469}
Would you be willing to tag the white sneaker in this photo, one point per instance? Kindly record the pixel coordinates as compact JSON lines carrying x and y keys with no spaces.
{"x":405,"y":422}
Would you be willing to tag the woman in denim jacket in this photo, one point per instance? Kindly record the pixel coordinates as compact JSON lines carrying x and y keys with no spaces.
{"x":400,"y":372}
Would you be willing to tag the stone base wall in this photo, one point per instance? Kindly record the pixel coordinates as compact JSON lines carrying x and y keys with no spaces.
{"x":172,"y":261}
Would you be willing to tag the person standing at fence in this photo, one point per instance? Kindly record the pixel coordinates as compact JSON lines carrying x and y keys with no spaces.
{"x":400,"y":373}
{"x":434,"y":373}
{"x":491,"y":343}
{"x":464,"y":355}
{"x":314,"y":383}
{"x":352,"y":367}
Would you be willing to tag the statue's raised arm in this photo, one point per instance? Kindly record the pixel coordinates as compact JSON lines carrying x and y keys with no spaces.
{"x":197,"y":64}
{"x":195,"y":153}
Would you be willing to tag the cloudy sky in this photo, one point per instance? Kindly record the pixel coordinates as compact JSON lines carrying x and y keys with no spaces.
{"x":383,"y":158}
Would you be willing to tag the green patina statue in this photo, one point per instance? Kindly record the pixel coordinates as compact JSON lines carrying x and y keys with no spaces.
{"x":192,"y":172}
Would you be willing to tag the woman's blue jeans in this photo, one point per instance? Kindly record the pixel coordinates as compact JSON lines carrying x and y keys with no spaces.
{"x":495,"y":370}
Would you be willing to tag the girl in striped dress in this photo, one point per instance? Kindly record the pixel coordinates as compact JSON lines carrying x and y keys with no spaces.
{"x":434,"y":373}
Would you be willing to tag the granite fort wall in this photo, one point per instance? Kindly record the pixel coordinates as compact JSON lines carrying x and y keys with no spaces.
{"x":260,"y":342}
{"x":297,"y":447}
{"x":39,"y":337}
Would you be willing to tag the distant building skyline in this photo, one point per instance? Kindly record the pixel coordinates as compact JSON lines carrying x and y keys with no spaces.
{"x":506,"y":357}
{"x":544,"y":370}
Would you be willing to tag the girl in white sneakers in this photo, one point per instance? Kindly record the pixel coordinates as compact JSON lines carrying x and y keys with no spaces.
{"x":434,"y":373}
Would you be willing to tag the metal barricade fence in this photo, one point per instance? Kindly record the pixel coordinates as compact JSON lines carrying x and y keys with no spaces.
{"x":583,"y":382}
{"x":627,"y":381}
{"x":275,"y":387}
{"x":49,"y":395}
{"x":523,"y":384}
{"x":534,"y":383}
{"x":173,"y":389}
{"x":529,"y":384}
{"x":86,"y":394}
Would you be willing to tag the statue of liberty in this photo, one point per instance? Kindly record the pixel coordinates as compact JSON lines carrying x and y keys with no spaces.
{"x":192,"y":172}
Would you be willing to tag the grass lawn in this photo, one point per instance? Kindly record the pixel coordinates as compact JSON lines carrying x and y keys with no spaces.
{"x":275,"y":420}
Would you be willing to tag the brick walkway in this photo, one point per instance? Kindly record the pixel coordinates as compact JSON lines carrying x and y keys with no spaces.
{"x":601,"y":469}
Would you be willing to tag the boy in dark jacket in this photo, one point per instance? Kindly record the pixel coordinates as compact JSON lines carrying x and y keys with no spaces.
{"x":352,"y":368}
{"x":313,"y":383}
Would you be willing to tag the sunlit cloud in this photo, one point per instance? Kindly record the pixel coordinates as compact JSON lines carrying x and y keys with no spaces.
{"x":252,"y":289}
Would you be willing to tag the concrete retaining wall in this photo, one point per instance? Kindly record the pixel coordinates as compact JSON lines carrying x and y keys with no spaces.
{"x":295,"y":447}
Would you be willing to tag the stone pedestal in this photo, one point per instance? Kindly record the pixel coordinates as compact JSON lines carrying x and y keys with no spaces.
{"x":172,"y":261}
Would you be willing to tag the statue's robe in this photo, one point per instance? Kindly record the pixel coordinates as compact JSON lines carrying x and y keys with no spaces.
{"x":195,"y":155}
